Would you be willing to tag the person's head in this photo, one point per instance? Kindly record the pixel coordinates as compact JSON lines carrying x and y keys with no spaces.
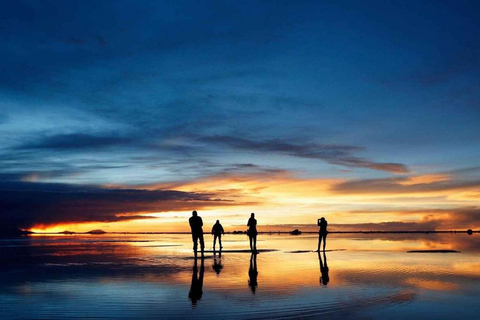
{"x":322,"y":218}
{"x":218,"y":221}
{"x":194,"y":213}
{"x":252,"y":215}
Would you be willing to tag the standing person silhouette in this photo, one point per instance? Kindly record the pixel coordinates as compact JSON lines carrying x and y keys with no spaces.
{"x":252,"y":232}
{"x":217,"y":231}
{"x":196,"y":224}
{"x":322,"y":233}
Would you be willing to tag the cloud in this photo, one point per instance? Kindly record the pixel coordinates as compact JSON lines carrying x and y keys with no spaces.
{"x":462,"y":218}
{"x":75,"y":141}
{"x":403,"y":185}
{"x":441,"y":219}
{"x":334,"y":154}
{"x":25,"y":204}
{"x":462,"y":61}
{"x":3,"y":117}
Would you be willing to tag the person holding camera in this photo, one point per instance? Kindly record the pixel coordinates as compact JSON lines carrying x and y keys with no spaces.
{"x":322,"y":233}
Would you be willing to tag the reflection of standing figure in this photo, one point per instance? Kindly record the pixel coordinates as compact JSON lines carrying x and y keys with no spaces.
{"x":196,"y":289}
{"x":217,"y":231}
{"x":324,"y":278}
{"x":196,"y":225}
{"x":253,"y":273}
{"x":217,"y":263}
{"x":252,"y":232}
{"x":322,"y":233}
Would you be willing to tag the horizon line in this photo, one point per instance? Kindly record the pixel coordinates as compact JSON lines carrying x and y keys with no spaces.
{"x":260,"y":232}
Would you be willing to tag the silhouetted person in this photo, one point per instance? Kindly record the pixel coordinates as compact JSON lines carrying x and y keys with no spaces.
{"x":322,"y":233}
{"x":253,"y":273}
{"x":252,"y":232}
{"x":196,"y":224}
{"x":217,"y":262}
{"x":324,"y":278}
{"x":196,"y":289}
{"x":217,"y":231}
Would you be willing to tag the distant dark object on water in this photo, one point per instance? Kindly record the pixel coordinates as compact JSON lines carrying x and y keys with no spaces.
{"x":295,"y":232}
{"x":433,"y":251}
{"x":13,"y":232}
{"x":469,"y":231}
{"x":67,"y":232}
{"x":96,"y":231}
{"x":239,"y":232}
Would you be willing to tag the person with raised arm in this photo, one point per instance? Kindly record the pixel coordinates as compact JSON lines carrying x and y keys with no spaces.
{"x":322,"y":233}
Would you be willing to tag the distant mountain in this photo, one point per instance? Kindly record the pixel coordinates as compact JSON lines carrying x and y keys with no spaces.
{"x":67,"y":232}
{"x":13,"y":232}
{"x":96,"y":231}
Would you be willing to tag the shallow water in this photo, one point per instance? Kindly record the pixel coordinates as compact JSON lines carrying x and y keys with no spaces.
{"x":156,"y":276}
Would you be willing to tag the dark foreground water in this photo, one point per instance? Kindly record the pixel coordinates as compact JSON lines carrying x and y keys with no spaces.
{"x":155,"y":276}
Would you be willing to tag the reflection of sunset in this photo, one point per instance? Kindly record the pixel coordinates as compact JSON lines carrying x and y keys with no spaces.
{"x":284,"y":272}
{"x":364,"y":271}
{"x":432,"y":284}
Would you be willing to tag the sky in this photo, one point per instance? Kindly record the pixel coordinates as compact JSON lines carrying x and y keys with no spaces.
{"x":126,"y":116}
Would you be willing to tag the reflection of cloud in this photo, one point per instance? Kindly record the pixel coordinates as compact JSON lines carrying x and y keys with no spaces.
{"x":431,"y":284}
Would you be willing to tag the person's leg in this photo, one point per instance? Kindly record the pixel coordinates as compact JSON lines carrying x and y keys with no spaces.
{"x":319,"y":241}
{"x":214,"y":241}
{"x":194,"y":239}
{"x":255,"y":243}
{"x":202,"y":243}
{"x":220,"y":241}
{"x":324,"y":241}
{"x":250,"y":237}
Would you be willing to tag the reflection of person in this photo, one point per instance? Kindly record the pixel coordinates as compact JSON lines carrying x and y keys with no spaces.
{"x":324,"y":278}
{"x":322,"y":233}
{"x":196,"y":224}
{"x":196,"y":289}
{"x":217,"y":263}
{"x":252,"y":232}
{"x":217,"y":231}
{"x":253,"y":273}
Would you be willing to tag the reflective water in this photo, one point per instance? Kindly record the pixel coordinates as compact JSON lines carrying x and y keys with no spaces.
{"x":156,"y":276}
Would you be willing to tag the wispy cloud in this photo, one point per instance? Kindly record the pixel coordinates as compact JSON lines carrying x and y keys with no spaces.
{"x":335,"y":154}
{"x":75,"y":141}
{"x":403,"y":185}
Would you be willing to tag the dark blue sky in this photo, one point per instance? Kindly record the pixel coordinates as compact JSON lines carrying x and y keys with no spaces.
{"x":158,"y":92}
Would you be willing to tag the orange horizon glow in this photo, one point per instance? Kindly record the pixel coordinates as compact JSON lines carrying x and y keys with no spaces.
{"x":281,"y":200}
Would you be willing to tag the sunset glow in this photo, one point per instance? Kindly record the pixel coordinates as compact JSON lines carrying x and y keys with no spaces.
{"x":345,"y":112}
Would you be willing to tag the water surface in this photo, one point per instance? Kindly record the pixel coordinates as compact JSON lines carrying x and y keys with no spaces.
{"x":156,"y":276}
